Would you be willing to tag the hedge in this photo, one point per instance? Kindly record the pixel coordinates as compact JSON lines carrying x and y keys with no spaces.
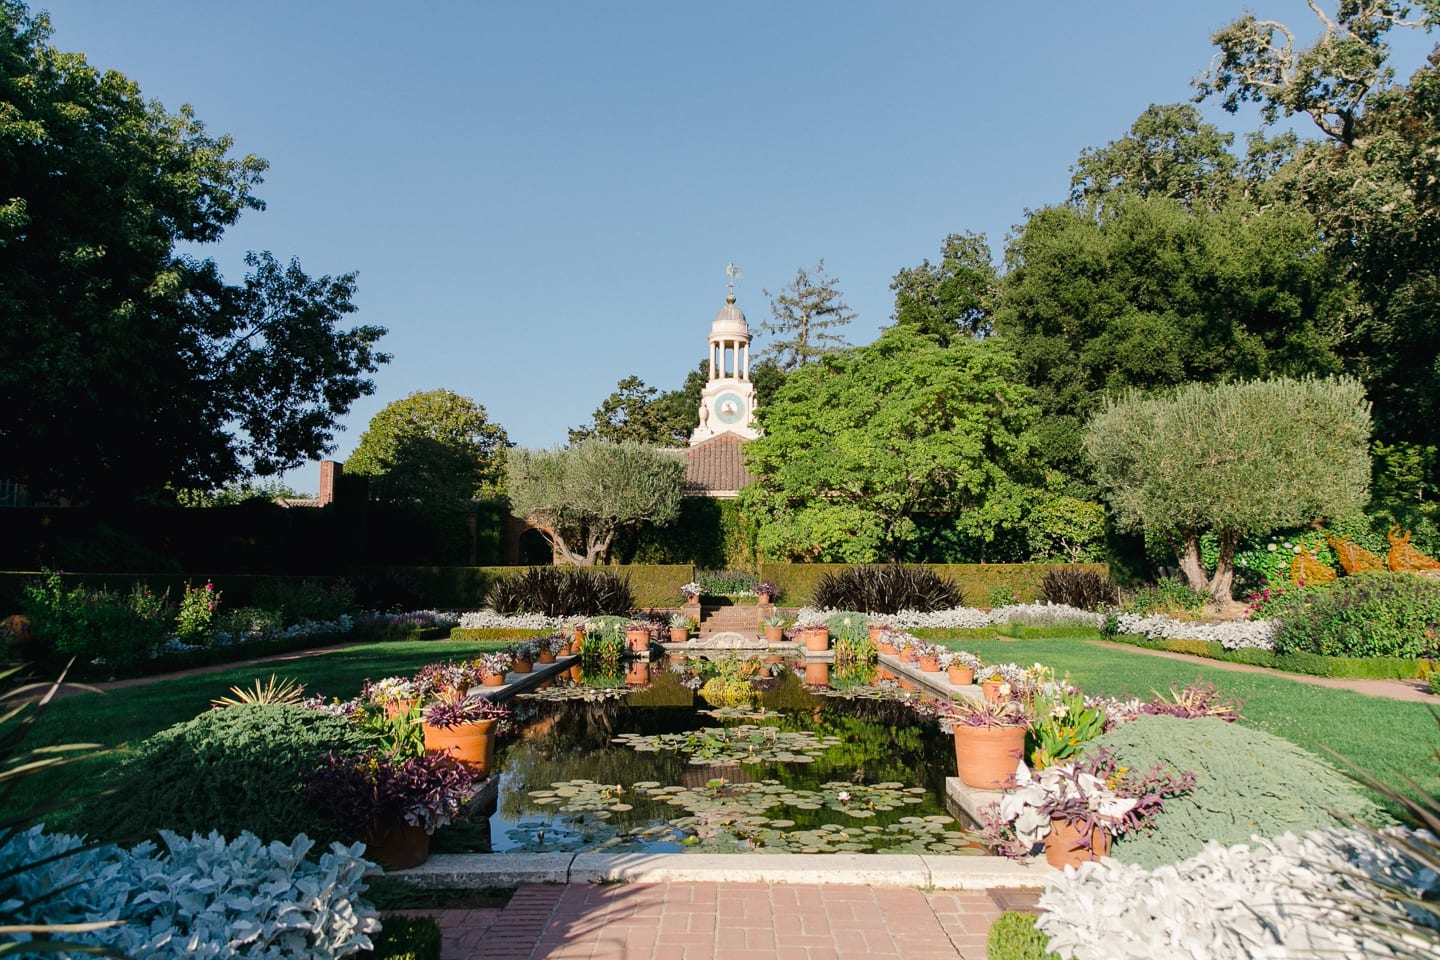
{"x":491,"y":634}
{"x":1312,"y":664}
{"x":976,"y":580}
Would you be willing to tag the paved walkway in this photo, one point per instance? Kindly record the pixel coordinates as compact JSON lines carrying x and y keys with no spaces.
{"x":1412,"y":691}
{"x":726,"y":921}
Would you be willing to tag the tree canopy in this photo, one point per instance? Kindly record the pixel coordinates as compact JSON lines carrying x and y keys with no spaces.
{"x":581,"y":496}
{"x":1235,"y":459}
{"x":864,"y":448}
{"x":434,"y":447}
{"x":124,"y":366}
{"x":954,"y":298}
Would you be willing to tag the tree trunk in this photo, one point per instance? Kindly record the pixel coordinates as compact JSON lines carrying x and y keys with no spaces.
{"x":557,"y":545}
{"x":1187,"y":552}
{"x":1220,"y":584}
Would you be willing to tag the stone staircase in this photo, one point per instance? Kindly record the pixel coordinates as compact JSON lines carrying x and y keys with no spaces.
{"x":736,"y":618}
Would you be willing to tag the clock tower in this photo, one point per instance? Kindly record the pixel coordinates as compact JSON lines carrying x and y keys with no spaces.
{"x":727,"y":404}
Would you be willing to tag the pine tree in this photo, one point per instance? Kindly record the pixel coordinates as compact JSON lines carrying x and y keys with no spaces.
{"x":806,"y":312}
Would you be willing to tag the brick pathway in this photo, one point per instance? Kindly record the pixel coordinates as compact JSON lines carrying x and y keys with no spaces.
{"x":727,"y":921}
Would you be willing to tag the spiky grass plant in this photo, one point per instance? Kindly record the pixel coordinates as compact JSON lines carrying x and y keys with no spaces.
{"x":274,"y":690}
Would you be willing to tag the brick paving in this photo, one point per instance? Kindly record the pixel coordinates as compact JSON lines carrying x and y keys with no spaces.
{"x":727,"y":921}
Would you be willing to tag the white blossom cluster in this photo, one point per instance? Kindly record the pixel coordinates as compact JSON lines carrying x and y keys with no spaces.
{"x":1310,"y":896}
{"x":488,"y":619}
{"x":1230,"y":634}
{"x":309,"y":628}
{"x":1029,"y":614}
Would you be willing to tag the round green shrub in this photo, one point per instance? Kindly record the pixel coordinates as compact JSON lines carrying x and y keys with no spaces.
{"x":1367,"y":615}
{"x":240,"y":768}
{"x":1013,"y":937}
{"x":1247,"y":782}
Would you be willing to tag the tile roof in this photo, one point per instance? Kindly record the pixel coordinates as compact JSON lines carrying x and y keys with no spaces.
{"x":716,"y":467}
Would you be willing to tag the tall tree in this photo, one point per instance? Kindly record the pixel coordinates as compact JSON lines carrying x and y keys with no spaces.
{"x":639,"y":414}
{"x":1147,"y":294}
{"x":805,"y":314}
{"x":125,"y":367}
{"x":581,"y":496}
{"x":1237,"y":459}
{"x":867,"y":447}
{"x":951,"y":299}
{"x":434,"y":448}
{"x":1167,"y":152}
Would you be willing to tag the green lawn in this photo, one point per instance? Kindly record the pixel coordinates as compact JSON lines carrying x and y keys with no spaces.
{"x":1380,"y":735}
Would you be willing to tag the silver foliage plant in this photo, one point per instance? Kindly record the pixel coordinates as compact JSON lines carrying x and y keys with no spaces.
{"x":489,"y":619}
{"x":1286,"y":897}
{"x":200,"y":897}
{"x":1230,"y":634}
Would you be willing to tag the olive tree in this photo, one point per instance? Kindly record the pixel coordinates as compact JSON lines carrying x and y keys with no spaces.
{"x":1236,"y":459}
{"x":581,"y":496}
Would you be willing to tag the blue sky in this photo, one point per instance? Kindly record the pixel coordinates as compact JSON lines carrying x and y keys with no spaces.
{"x":541,"y":198}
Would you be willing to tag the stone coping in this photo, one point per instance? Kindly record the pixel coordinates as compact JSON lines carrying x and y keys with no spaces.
{"x":472,"y":870}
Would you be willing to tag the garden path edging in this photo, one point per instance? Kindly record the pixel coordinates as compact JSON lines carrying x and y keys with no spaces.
{"x":476,"y":870}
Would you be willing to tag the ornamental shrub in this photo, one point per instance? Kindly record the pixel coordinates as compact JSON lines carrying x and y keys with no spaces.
{"x":407,"y":938}
{"x":1081,"y":588}
{"x":90,"y":623}
{"x":562,"y":592}
{"x":1013,"y":937}
{"x":886,"y":589}
{"x":1246,"y":782}
{"x":202,"y":897}
{"x":1168,"y":596}
{"x":1367,"y":615}
{"x":241,"y":768}
{"x":297,"y":601}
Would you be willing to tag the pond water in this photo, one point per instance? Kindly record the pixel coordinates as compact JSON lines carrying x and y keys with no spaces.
{"x":718,"y":755}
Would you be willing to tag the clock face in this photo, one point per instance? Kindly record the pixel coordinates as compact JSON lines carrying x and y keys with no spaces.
{"x":730,"y":407}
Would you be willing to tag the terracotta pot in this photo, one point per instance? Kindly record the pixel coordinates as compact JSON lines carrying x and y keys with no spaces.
{"x":907,"y":685}
{"x":909,"y":655}
{"x":472,"y":743}
{"x":876,"y":633}
{"x":882,"y":674}
{"x":774,"y":634}
{"x":395,"y":708}
{"x":930,"y":664}
{"x":991,"y":690}
{"x":961,"y":676}
{"x":986,"y":757}
{"x":492,"y":679}
{"x":679,"y":634}
{"x":1064,"y":846}
{"x":887,"y":648}
{"x":638,"y":673}
{"x":576,"y":673}
{"x":398,"y":846}
{"x":522,"y":666}
{"x":545,"y":656}
{"x":762,"y":598}
{"x":817,"y":674}
{"x":639,"y":640}
{"x":817,"y":639}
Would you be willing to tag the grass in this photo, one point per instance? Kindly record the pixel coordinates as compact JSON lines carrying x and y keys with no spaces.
{"x":1381,"y":736}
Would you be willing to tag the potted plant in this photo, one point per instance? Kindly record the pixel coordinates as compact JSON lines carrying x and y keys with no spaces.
{"x":692,"y":591}
{"x":907,"y":648}
{"x":995,"y":684}
{"x":767,"y":591}
{"x":960,"y":667}
{"x":680,"y":626}
{"x":575,"y":632}
{"x":393,"y":804}
{"x":637,"y":635}
{"x":989,"y":739}
{"x":884,"y":637}
{"x":494,"y":667}
{"x":928,"y":655}
{"x":395,"y":695}
{"x":464,"y":728}
{"x":551,"y":648}
{"x":442,"y":678}
{"x":775,"y":625}
{"x":522,"y":656}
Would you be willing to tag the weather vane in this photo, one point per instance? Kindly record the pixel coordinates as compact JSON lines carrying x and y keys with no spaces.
{"x":733,"y":272}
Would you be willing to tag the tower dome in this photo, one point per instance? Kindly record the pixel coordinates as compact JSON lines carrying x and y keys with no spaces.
{"x":729,"y":321}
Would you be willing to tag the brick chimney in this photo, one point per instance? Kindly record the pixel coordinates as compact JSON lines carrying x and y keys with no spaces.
{"x":330,"y":472}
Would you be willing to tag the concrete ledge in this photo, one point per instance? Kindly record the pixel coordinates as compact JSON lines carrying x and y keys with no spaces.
{"x":469,"y":870}
{"x":986,"y":873}
{"x":877,"y":870}
{"x":932,"y":682}
{"x":970,"y":799}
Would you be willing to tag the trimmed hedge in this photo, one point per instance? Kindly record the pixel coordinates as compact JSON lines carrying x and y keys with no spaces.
{"x":976,"y":580}
{"x":1313,"y":664}
{"x":954,"y":633}
{"x":406,"y":938}
{"x":1020,"y":631}
{"x":496,"y":634}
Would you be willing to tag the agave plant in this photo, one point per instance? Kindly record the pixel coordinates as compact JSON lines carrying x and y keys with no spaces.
{"x":271,"y":691}
{"x":22,"y":706}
